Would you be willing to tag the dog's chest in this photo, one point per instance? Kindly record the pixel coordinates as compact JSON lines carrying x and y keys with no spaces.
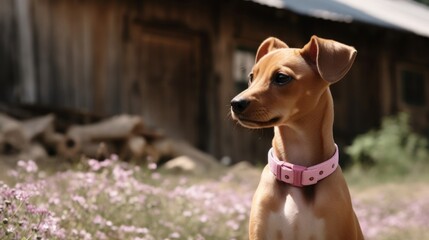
{"x":295,"y":220}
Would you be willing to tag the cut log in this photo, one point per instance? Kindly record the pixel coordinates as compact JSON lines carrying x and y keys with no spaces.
{"x":70,"y":147}
{"x":152,"y":154}
{"x":118,"y":127}
{"x":99,"y":151}
{"x":35,"y":151}
{"x":53,"y":141}
{"x":151,"y":134}
{"x":178,"y":148}
{"x":134,"y":148}
{"x":37,"y":126}
{"x":12,"y":133}
{"x":86,"y":138}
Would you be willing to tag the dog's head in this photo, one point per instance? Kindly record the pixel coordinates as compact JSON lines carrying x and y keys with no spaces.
{"x":286,"y":83}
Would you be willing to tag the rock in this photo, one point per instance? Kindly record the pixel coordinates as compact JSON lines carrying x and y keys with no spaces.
{"x":177,"y":148}
{"x":184,"y":164}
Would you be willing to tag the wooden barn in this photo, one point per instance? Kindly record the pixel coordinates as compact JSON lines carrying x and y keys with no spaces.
{"x":179,"y":63}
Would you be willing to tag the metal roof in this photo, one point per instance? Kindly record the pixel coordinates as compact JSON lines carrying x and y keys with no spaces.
{"x":400,"y":14}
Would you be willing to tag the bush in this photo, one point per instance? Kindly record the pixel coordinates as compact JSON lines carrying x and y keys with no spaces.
{"x":394,"y":148}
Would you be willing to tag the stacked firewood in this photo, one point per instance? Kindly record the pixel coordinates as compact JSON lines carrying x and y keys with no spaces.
{"x":124,"y":135}
{"x":17,"y":136}
{"x":38,"y":137}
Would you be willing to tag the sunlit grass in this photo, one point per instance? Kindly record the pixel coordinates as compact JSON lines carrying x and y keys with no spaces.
{"x":116,"y":200}
{"x":367,"y":177}
{"x":409,"y":233}
{"x":391,"y":207}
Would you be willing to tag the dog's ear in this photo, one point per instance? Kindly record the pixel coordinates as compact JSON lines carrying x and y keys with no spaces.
{"x":269,"y":45}
{"x":331,"y":59}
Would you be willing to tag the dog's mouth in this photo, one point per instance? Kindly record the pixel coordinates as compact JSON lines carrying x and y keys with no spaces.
{"x":251,"y":123}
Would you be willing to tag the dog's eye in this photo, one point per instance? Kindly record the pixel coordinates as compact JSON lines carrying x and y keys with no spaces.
{"x":281,"y":79}
{"x":250,"y":78}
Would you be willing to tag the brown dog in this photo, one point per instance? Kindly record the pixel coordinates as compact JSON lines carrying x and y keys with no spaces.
{"x":302,"y":193}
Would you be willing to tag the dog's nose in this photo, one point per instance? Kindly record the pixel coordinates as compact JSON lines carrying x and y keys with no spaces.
{"x":239,"y":105}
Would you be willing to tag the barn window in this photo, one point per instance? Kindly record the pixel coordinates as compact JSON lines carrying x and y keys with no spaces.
{"x":413,"y":87}
{"x":244,"y":59}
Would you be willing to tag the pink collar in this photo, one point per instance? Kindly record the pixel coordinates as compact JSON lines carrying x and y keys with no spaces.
{"x":299,"y":175}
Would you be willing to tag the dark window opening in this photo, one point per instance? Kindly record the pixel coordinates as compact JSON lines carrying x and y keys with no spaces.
{"x":413,"y":88}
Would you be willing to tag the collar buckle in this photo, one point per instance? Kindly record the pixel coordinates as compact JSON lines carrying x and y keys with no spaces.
{"x":297,"y":175}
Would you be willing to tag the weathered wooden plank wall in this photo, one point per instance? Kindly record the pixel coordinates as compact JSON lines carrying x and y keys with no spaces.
{"x":9,"y":86}
{"x":75,"y":41}
{"x":139,"y":57}
{"x":172,"y":62}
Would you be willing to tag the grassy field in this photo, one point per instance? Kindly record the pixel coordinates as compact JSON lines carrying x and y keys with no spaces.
{"x":115,"y":200}
{"x":394,"y":209}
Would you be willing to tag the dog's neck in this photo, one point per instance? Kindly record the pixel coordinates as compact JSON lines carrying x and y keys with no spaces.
{"x":307,"y":141}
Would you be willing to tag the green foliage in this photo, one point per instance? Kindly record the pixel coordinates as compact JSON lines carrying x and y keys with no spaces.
{"x":423,"y":1}
{"x":394,"y":148}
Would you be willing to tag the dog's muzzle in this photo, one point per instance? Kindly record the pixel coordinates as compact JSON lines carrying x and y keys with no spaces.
{"x":239,"y":105}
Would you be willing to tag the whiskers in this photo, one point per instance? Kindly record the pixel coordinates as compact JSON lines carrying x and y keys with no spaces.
{"x":262,"y":133}
{"x":229,"y":115}
{"x":230,"y":118}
